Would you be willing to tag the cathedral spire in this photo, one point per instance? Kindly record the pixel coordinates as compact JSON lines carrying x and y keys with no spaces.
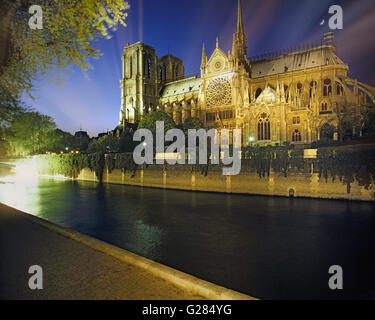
{"x":240,"y":28}
{"x":234,"y":46}
{"x":240,"y":32}
{"x":204,"y":57}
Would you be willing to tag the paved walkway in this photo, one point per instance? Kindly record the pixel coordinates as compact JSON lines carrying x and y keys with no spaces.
{"x":71,"y":270}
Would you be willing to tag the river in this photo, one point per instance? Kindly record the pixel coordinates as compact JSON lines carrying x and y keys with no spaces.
{"x":267,"y":247}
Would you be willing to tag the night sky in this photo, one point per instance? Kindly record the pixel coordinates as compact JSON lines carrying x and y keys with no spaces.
{"x":179,"y":27}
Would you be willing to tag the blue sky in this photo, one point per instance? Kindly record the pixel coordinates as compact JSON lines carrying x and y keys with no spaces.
{"x":92,"y":102}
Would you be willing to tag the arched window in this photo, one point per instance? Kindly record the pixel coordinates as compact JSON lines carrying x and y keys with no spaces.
{"x":264,"y":127}
{"x":339,"y":89}
{"x":160,"y":74}
{"x":165,"y":72}
{"x":296,"y":120}
{"x":296,"y":136}
{"x":324,"y":106}
{"x":176,"y":70}
{"x":327,"y":88}
{"x":131,"y":67}
{"x":258,"y":92}
{"x":312,"y":85}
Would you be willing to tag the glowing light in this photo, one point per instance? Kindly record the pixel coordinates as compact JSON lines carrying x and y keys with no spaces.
{"x":16,"y":188}
{"x":19,"y":189}
{"x":251,"y":139}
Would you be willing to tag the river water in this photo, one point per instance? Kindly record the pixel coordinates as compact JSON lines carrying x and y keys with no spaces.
{"x":267,"y":247}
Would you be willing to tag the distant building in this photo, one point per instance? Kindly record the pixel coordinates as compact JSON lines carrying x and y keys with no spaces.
{"x":82,"y":140}
{"x":291,"y":95}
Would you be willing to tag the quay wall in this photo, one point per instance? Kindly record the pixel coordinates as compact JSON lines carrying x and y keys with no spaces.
{"x":179,"y":177}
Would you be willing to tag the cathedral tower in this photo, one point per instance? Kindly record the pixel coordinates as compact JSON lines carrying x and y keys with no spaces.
{"x":139,"y":85}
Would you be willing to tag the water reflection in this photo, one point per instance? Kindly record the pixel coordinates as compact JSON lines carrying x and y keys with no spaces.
{"x":266,"y":247}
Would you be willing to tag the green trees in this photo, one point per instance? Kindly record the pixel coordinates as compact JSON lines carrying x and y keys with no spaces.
{"x":126,"y":143}
{"x":149,"y":121}
{"x":30,"y":133}
{"x":69,"y":29}
{"x":192,"y":123}
{"x":106,"y":144}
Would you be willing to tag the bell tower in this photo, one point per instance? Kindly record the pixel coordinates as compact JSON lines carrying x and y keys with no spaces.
{"x":139,"y":84}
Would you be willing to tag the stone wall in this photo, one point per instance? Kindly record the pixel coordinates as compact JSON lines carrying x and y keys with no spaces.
{"x":183,"y":178}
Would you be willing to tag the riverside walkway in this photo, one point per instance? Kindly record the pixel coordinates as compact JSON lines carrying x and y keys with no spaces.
{"x":79,"y":267}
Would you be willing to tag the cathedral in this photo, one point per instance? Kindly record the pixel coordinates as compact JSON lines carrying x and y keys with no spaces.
{"x":293,"y":95}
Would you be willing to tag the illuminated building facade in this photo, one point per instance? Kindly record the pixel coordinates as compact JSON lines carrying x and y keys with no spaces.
{"x":295,"y":95}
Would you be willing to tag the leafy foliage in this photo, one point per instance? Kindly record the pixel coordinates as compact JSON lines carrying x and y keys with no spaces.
{"x":280,"y":159}
{"x":149,"y":121}
{"x":121,"y":161}
{"x":10,"y":107}
{"x":68,"y":165}
{"x":105,"y":144}
{"x":126,"y":143}
{"x":31,"y":133}
{"x":348,"y":165}
{"x":96,"y":163}
{"x":69,"y":29}
{"x":192,"y":123}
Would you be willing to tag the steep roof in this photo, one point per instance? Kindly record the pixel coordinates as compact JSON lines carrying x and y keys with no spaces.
{"x":181,"y":87}
{"x":314,"y":57}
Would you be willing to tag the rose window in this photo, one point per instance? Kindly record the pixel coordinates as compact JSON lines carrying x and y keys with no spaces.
{"x":219,"y":92}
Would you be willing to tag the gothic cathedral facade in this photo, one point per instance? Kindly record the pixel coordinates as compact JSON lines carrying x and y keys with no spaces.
{"x":293,"y":95}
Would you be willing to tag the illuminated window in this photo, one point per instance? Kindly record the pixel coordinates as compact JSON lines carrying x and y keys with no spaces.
{"x":228,"y":114}
{"x":296,"y":120}
{"x":327,"y":88}
{"x":219,"y":92}
{"x":211,"y":116}
{"x":296,"y":136}
{"x":264,"y":127}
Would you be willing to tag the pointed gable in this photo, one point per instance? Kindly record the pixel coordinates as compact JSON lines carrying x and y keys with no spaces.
{"x":218,"y":61}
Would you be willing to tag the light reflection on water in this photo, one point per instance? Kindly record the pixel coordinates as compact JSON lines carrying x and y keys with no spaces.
{"x":266,"y":247}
